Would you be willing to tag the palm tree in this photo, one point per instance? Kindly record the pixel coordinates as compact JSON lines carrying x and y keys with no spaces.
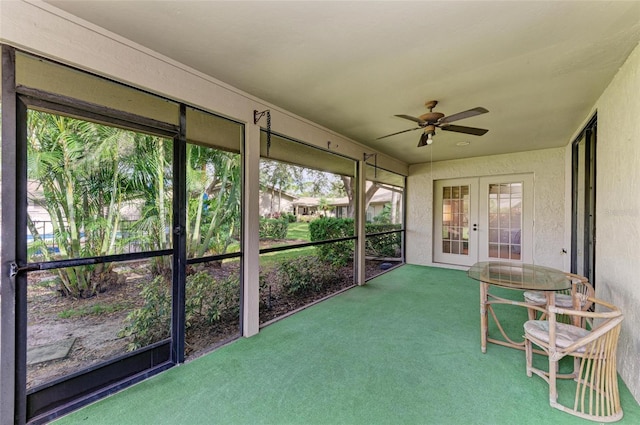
{"x":78,"y":168}
{"x":150,"y":176}
{"x":213,"y":185}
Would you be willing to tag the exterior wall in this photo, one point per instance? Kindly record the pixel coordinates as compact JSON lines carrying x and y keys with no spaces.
{"x":284,"y":203}
{"x":618,"y":210}
{"x":547,"y":167}
{"x":374,"y":210}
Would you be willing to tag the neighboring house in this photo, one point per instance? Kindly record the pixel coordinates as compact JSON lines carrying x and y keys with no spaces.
{"x":274,"y":201}
{"x":339,"y":207}
{"x":381,"y":198}
{"x":129,"y":211}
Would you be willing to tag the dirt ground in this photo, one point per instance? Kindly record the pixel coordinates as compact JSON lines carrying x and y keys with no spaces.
{"x":95,"y":322}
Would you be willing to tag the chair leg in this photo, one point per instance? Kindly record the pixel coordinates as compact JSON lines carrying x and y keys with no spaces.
{"x":528,"y":349}
{"x":553,"y":392}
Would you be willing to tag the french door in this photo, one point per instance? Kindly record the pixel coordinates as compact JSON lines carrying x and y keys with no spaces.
{"x":483,"y":218}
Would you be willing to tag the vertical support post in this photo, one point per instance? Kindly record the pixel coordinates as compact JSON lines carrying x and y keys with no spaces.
{"x":8,"y":291}
{"x":361,"y":215}
{"x":250,"y":234}
{"x":403,"y":243}
{"x":179,"y":239}
{"x":13,"y":354}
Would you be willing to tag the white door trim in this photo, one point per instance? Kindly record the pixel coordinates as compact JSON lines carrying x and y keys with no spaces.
{"x":478,"y":215}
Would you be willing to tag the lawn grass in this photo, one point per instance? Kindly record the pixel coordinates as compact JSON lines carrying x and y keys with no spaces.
{"x":274,"y":258}
{"x":299,"y":231}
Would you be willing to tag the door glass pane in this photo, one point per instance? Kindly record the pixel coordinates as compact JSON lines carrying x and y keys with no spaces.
{"x":455,"y":220}
{"x":505,"y":220}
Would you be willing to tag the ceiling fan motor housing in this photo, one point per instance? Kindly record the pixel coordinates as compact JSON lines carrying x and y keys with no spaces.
{"x":431,"y":117}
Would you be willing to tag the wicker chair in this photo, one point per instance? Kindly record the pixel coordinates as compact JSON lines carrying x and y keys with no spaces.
{"x":594,"y":352}
{"x":575,"y":298}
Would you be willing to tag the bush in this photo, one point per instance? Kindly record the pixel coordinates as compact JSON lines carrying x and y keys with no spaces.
{"x":337,"y":253}
{"x":340,"y":253}
{"x":151,"y":322}
{"x":208,"y":301}
{"x":291,"y":218}
{"x":388,"y":245}
{"x":304,"y":275}
{"x":274,"y":228}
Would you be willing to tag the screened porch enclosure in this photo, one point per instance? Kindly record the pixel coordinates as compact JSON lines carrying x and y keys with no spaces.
{"x":129,"y":221}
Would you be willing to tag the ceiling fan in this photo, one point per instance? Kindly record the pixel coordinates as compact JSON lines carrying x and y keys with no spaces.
{"x":431,"y":120}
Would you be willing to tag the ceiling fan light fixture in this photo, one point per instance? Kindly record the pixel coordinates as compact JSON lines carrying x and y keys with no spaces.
{"x":429,"y":138}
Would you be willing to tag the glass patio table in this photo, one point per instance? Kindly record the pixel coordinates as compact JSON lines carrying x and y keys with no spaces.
{"x":519,"y":276}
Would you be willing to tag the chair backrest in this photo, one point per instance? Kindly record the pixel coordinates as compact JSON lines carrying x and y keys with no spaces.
{"x":581,"y":288}
{"x":597,"y":396}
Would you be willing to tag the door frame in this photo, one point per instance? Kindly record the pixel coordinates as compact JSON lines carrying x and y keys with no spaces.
{"x":588,"y":180}
{"x":438,"y":255}
{"x":526,"y":231}
{"x":478,"y":235}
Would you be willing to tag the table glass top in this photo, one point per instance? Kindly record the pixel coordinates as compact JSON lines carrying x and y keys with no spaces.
{"x":519,"y":276}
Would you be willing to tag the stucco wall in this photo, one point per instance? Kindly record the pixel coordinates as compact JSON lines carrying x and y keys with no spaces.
{"x":268,"y":205}
{"x":618,"y":210}
{"x":546,"y":165}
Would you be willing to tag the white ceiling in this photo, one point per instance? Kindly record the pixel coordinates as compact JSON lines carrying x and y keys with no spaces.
{"x":538,"y":66}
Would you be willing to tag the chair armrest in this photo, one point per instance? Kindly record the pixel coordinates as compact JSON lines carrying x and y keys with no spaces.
{"x":613,"y":310}
{"x":611,"y":319}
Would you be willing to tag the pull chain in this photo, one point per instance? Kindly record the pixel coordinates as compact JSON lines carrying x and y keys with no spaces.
{"x":256,"y":117}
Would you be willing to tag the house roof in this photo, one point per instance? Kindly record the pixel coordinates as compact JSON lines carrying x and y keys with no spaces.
{"x":381,"y":196}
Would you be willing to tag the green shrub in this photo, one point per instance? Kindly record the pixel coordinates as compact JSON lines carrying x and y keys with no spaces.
{"x":336,"y":253}
{"x":151,"y":322}
{"x":291,"y":218}
{"x":304,"y":275}
{"x":273,"y":228}
{"x":208,"y":301}
{"x":388,"y":245}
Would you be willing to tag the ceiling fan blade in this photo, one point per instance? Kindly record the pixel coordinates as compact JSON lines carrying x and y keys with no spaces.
{"x":466,"y":130}
{"x":465,"y":114}
{"x":410,"y":118}
{"x":399,"y":132}
{"x":424,"y":140}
